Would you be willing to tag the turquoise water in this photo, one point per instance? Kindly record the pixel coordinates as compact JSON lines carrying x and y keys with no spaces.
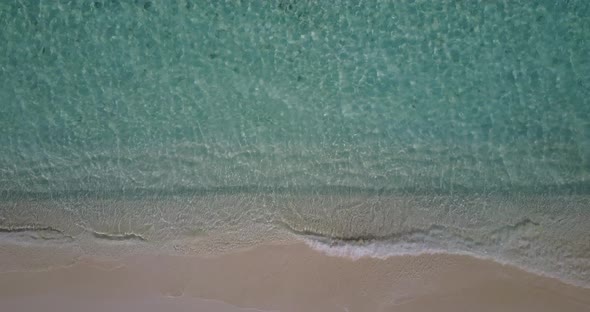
{"x":411,"y":125}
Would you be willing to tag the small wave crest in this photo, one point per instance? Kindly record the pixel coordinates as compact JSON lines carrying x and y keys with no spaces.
{"x":356,"y":250}
{"x":379,"y":250}
{"x":34,"y":234}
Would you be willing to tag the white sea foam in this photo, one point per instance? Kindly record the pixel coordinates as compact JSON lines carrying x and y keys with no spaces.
{"x":384,"y":250}
{"x":379,"y":250}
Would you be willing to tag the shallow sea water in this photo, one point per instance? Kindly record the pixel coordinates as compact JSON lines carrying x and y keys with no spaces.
{"x":381,"y":127}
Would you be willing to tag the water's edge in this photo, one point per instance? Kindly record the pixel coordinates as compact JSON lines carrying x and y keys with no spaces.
{"x":545,"y":234}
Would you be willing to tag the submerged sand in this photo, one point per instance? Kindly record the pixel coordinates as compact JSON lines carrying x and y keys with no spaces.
{"x":285,"y":277}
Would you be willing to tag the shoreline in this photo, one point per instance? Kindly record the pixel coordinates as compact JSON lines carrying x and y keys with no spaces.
{"x":543,"y":235}
{"x":371,"y":251}
{"x":287,"y":277}
{"x":31,"y":256}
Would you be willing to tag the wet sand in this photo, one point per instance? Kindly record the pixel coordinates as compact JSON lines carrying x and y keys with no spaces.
{"x":286,"y":277}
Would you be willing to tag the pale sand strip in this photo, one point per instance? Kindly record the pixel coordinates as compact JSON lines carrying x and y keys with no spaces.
{"x":286,"y":278}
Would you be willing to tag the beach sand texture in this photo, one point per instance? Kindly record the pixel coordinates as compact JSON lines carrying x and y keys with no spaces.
{"x":286,"y":277}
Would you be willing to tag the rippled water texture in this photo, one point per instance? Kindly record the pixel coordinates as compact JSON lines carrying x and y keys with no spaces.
{"x":393,"y":126}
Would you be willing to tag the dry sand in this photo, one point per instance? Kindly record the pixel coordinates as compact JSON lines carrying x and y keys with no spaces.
{"x":290,"y":277}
